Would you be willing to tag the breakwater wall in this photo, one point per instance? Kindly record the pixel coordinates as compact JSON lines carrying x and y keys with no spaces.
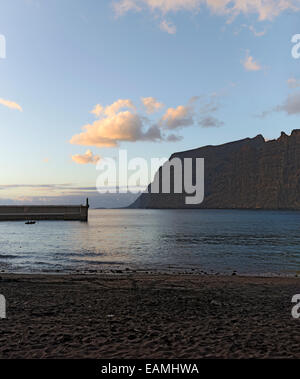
{"x":44,"y":212}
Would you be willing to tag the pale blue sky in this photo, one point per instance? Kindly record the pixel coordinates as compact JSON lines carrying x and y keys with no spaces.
{"x":65,"y":57}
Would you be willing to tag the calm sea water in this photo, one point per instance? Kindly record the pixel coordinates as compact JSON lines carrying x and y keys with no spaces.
{"x":249,"y":242}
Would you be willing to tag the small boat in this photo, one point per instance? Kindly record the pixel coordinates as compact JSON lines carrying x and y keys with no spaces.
{"x":30,"y":222}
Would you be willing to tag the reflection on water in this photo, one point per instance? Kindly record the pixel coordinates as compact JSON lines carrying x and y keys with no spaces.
{"x":249,"y":242}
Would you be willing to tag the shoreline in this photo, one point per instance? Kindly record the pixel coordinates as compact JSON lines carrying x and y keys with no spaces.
{"x":186,"y":277}
{"x":144,"y":275}
{"x":148,"y":316}
{"x":149,"y":272}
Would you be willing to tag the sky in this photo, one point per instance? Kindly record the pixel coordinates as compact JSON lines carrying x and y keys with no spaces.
{"x":82,"y":79}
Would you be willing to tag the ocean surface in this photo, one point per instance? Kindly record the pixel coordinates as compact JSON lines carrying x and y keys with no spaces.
{"x":211,"y":241}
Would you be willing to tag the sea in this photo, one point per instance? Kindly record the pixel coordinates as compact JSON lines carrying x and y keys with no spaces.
{"x":240,"y":242}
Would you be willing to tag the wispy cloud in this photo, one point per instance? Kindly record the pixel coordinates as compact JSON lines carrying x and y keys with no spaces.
{"x":255,"y":32}
{"x":168,"y":27}
{"x":293,"y":83}
{"x":95,"y":199}
{"x":210,"y":122}
{"x":87,"y":157}
{"x":252,"y":29}
{"x":11,"y":104}
{"x":250,"y":64}
{"x":179,"y":117}
{"x":264,"y":9}
{"x":64,"y":186}
{"x":151,"y":104}
{"x":290,"y":106}
{"x":210,"y":105}
{"x":113,"y":109}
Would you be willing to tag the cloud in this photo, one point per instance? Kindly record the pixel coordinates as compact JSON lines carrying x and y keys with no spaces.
{"x":47,"y":186}
{"x":183,"y":116}
{"x":256,"y":33}
{"x":123,"y":6}
{"x":164,"y":6}
{"x":11,"y":105}
{"x":293,"y":83}
{"x":291,"y":106}
{"x":108,"y":132}
{"x":168,"y":27}
{"x":116,"y":126}
{"x":210,"y":122}
{"x":98,"y":110}
{"x":174,"y":138}
{"x":151,"y":104}
{"x":264,"y":9}
{"x":152,"y":134}
{"x":179,"y":117}
{"x":112,"y":109}
{"x":86,"y":158}
{"x":106,"y":200}
{"x":211,"y":105}
{"x":252,"y":29}
{"x":264,"y":113}
{"x":250,"y":64}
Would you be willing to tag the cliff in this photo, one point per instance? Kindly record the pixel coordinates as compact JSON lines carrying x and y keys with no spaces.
{"x":246,"y":174}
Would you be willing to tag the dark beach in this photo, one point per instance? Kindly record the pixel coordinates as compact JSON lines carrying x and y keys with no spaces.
{"x":148,"y":316}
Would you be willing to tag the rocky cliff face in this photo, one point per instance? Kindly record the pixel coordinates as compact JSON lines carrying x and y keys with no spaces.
{"x":246,"y":174}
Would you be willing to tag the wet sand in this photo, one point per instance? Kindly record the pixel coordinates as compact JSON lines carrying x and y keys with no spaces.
{"x":148,"y":316}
